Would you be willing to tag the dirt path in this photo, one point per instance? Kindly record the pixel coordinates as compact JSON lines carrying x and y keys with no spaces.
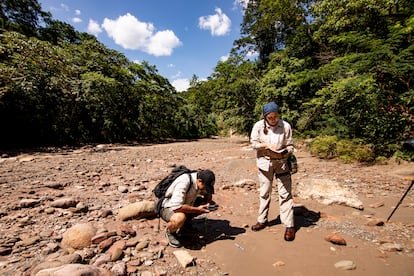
{"x":108,"y":177}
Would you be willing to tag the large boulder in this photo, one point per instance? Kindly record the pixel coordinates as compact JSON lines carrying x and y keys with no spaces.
{"x":142,"y":209}
{"x":328,"y":192}
{"x":78,"y":236}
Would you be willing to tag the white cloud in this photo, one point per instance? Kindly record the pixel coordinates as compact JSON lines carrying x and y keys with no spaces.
{"x":65,"y":7}
{"x":61,"y":7}
{"x":224,"y":58}
{"x":128,"y":32}
{"x":76,"y":20}
{"x":218,"y":23}
{"x":181,"y":84}
{"x":94,"y":28}
{"x":252,"y":54}
{"x":242,"y":3}
{"x":162,"y":43}
{"x":170,"y":65}
{"x":77,"y":12}
{"x":177,"y":75}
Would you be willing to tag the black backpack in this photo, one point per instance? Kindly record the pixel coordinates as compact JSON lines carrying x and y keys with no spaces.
{"x":162,"y":187}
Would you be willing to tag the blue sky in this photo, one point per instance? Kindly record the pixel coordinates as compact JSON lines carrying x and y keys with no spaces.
{"x":180,"y":37}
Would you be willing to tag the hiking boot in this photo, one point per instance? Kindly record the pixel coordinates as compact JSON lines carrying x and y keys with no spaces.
{"x":172,"y":239}
{"x":259,"y":226}
{"x":290,"y":233}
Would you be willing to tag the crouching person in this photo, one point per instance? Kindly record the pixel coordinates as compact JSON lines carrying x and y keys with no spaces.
{"x":181,"y":202}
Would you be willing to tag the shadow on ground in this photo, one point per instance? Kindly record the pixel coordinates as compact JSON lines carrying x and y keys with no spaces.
{"x":208,"y":231}
{"x":303,"y":218}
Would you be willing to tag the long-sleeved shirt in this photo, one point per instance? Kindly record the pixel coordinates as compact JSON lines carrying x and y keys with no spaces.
{"x":181,"y":192}
{"x":279,"y":135}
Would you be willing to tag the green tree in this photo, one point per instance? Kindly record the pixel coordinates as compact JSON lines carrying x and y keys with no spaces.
{"x":367,"y":81}
{"x":270,"y":26}
{"x":57,"y":32}
{"x":23,"y":16}
{"x":33,"y":89}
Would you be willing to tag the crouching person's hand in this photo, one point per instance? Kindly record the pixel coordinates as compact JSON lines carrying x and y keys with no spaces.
{"x":203,"y":208}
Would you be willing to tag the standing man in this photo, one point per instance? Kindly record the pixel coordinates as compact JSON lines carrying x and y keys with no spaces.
{"x":272,"y":139}
{"x":178,"y":207}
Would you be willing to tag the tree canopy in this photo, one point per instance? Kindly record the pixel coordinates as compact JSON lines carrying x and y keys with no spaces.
{"x":342,"y":68}
{"x":336,"y":68}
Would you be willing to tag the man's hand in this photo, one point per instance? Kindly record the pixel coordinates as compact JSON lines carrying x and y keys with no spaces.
{"x":203,"y":208}
{"x":188,"y":209}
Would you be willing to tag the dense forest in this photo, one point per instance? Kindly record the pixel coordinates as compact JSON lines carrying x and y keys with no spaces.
{"x":341,"y":71}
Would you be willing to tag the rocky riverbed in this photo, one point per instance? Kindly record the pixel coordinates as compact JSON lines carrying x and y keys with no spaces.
{"x":60,"y":214}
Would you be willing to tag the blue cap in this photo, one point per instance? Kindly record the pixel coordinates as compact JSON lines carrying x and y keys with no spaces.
{"x":270,"y":107}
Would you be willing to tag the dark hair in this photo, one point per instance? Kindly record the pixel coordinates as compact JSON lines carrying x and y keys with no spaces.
{"x":208,"y":178}
{"x":265,"y":130}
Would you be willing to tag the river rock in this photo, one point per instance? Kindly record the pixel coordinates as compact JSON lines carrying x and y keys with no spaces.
{"x":183,"y":257}
{"x":136,"y":210}
{"x":73,"y":270}
{"x":79,"y":236}
{"x":391,"y":247}
{"x":65,"y":202}
{"x":328,"y":192}
{"x":346,"y":265}
{"x":119,"y":269}
{"x":103,"y":259}
{"x":102,"y":236}
{"x":57,"y":262}
{"x":116,"y":249}
{"x":107,"y":243}
{"x":335,"y":239}
{"x":28,"y":203}
{"x":375,"y":222}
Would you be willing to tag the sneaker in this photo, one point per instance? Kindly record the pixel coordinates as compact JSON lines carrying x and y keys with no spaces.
{"x":172,"y":239}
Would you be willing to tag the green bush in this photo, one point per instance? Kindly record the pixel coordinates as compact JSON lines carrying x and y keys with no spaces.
{"x":346,"y":150}
{"x":382,"y":160}
{"x":364,"y":153}
{"x":404,"y":155}
{"x":324,"y":147}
